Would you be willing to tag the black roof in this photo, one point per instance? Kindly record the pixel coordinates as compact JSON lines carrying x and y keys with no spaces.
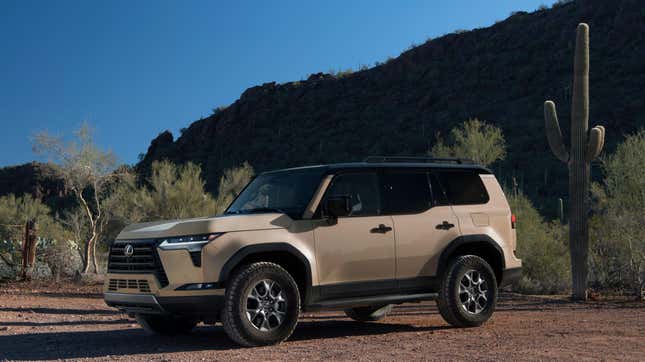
{"x":398,"y":165}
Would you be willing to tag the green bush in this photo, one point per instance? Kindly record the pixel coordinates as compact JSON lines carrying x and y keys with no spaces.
{"x":173,"y":192}
{"x":231,"y":184}
{"x":53,"y":238}
{"x":617,"y":235}
{"x":542,"y":246}
{"x":475,"y":140}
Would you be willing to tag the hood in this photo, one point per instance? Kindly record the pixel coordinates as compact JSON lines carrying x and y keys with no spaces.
{"x":205,"y":225}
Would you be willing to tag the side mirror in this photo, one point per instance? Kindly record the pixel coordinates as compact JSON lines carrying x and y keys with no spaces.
{"x":336,"y":206}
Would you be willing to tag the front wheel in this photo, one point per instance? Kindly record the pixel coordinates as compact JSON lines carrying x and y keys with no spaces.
{"x":165,"y":325}
{"x":261,"y":306}
{"x":468,"y":293}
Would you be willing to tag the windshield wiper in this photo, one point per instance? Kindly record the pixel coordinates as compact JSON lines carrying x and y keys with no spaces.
{"x":260,"y":210}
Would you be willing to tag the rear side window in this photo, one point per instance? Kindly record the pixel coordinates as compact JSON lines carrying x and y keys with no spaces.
{"x":463,"y":187}
{"x":406,"y":192}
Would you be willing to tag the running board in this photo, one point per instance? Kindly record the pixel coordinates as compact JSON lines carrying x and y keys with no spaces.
{"x":375,"y":300}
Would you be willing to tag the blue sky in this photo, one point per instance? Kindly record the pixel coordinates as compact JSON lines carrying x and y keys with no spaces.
{"x":135,"y":68}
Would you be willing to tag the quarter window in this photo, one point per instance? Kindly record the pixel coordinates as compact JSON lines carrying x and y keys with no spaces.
{"x":463,"y":188}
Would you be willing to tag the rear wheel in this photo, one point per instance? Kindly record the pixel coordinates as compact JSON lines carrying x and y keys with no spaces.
{"x":368,"y":314}
{"x":261,"y":306}
{"x":165,"y":325}
{"x":468,"y":293}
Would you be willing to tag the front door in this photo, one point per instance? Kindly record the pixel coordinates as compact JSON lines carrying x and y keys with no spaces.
{"x":356,"y":254}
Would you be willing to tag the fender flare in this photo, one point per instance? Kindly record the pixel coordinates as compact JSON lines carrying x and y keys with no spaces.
{"x":248,"y":250}
{"x":465,"y":240}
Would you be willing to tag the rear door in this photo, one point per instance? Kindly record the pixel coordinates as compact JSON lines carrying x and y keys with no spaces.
{"x":424,"y":223}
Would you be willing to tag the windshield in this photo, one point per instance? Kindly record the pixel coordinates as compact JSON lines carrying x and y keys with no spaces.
{"x":286,"y":192}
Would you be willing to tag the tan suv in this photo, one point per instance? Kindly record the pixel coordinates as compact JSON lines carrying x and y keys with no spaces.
{"x":355,"y":236}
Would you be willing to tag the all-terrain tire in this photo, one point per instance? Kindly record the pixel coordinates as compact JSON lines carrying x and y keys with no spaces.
{"x":237,"y":323}
{"x":455,"y":303}
{"x":165,"y":325}
{"x":368,"y":314}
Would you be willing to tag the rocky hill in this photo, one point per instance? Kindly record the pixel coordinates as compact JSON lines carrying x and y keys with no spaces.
{"x":501,"y":74}
{"x":41,"y":180}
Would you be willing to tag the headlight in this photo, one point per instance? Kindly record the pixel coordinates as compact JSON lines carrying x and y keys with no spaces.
{"x":189,"y":242}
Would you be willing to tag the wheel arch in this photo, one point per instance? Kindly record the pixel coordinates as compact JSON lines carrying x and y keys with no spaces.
{"x":283,"y":254}
{"x":481,"y":245}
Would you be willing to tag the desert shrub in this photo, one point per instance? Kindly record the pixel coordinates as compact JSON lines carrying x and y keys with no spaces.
{"x":561,"y":3}
{"x":63,"y":257}
{"x":617,"y":242}
{"x":341,"y":73}
{"x":474,"y":139}
{"x":15,"y":212}
{"x":542,"y":246}
{"x":231,"y":184}
{"x":217,"y":110}
{"x":173,"y":192}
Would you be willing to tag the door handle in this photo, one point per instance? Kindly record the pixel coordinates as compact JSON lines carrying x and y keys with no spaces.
{"x":445,"y":226}
{"x":381,"y":229}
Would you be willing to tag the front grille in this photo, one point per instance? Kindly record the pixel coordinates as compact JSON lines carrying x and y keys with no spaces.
{"x":144,"y":259}
{"x":140,"y":285}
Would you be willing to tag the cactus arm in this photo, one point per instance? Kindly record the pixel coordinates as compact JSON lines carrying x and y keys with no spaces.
{"x":553,"y":132}
{"x":596,"y":141}
{"x":602,"y":139}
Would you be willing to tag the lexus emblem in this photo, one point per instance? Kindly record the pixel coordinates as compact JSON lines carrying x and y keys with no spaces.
{"x":128,"y":250}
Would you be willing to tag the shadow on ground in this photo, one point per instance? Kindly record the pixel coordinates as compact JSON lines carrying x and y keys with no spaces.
{"x":84,"y":344}
{"x":43,"y":310}
{"x":42,"y":344}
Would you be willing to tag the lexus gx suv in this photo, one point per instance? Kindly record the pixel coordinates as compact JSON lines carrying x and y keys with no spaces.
{"x":359,"y":237}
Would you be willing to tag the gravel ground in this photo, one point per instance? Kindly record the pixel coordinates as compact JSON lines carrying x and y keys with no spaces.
{"x":71,"y":322}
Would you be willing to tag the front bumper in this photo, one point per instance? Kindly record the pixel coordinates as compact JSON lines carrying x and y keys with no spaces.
{"x":201,"y":306}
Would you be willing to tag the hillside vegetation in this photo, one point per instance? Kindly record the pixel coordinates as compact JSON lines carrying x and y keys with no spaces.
{"x":500,"y":74}
{"x":474,"y":94}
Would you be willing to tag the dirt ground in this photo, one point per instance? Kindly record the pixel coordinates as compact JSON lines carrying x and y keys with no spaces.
{"x":72,"y":322}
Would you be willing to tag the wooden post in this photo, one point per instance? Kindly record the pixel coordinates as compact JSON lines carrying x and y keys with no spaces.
{"x":29,"y":247}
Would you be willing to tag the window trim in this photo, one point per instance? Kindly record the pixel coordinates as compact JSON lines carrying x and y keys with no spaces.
{"x":442,"y":190}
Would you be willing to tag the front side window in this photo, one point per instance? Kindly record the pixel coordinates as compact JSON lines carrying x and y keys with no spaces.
{"x":362,"y":191}
{"x":287,"y":192}
{"x":406,"y":192}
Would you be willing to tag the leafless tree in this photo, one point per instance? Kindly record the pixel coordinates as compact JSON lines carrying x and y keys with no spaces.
{"x":88,"y":173}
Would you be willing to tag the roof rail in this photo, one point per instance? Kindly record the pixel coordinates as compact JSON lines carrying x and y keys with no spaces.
{"x":412,"y":159}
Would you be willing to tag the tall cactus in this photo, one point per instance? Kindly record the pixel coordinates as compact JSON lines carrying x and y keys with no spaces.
{"x":586,"y":145}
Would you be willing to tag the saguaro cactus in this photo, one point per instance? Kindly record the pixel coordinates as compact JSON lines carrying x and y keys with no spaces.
{"x":585,"y":146}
